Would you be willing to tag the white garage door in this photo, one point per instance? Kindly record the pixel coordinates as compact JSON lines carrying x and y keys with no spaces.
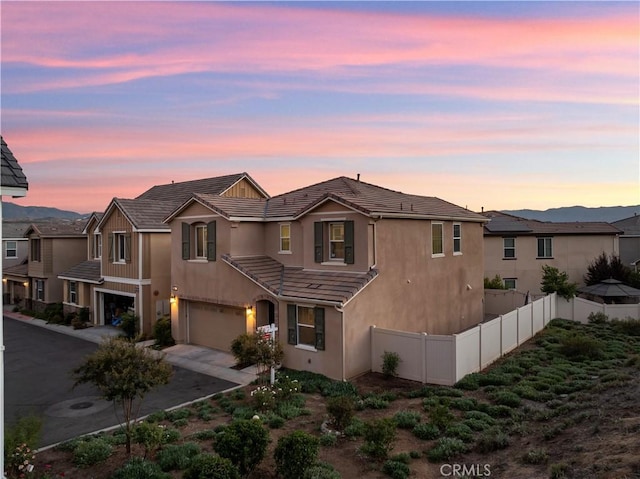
{"x":215,"y":326}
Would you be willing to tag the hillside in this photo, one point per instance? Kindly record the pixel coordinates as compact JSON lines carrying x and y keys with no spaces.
{"x":11,"y":211}
{"x":607,"y":214}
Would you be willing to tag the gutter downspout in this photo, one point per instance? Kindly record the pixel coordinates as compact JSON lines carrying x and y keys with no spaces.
{"x":341,"y":311}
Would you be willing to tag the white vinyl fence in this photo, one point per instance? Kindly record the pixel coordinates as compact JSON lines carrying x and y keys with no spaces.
{"x":445,"y":359}
{"x":578,"y":309}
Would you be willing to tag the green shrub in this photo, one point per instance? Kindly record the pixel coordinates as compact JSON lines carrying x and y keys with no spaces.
{"x":470,"y":382}
{"x":26,"y":430}
{"x":338,"y":388}
{"x":480,"y":416}
{"x":379,"y":435}
{"x":244,"y":443}
{"x":375,"y":402}
{"x":461,"y":431}
{"x":170,"y":435}
{"x":295,"y":453}
{"x":157,"y":416}
{"x":321,"y":470}
{"x":130,"y":325}
{"x":396,"y":469}
{"x":440,"y":416}
{"x":506,"y":398}
{"x":407,"y":419}
{"x":464,"y":404}
{"x":558,"y":471}
{"x":177,"y":456}
{"x":207,"y":466}
{"x":535,"y":456}
{"x":628,"y":326}
{"x":204,"y":435}
{"x":328,"y":440}
{"x":275,"y":421}
{"x":426,"y":431}
{"x":263,"y":398}
{"x":162,"y":333}
{"x":137,"y":468}
{"x":598,"y":318}
{"x":91,"y":452}
{"x":148,"y":434}
{"x":492,"y":440}
{"x":340,"y":410}
{"x":390,"y":363}
{"x":580,"y":347}
{"x":245,"y":349}
{"x":446,"y":448}
{"x":355,"y":429}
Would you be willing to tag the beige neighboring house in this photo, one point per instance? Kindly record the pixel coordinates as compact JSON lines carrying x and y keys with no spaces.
{"x":516,"y":249}
{"x":53,"y":248}
{"x":15,"y":248}
{"x":324,"y":263}
{"x":629,"y":241}
{"x":126,"y":264}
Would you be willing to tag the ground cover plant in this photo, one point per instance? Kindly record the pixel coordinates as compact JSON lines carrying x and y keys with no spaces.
{"x":564,"y":405}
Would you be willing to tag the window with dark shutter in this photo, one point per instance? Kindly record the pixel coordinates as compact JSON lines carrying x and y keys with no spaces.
{"x":292,"y":337}
{"x":317,"y":240}
{"x":319,"y":324}
{"x":211,"y":241}
{"x":185,"y":240}
{"x":349,"y":234}
{"x":111,"y":247}
{"x":127,"y":248}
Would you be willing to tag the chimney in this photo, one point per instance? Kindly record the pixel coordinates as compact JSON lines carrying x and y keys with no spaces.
{"x":358,"y":177}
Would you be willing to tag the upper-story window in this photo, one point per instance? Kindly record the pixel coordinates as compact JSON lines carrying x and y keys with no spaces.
{"x":36,"y":255}
{"x":437,"y":239}
{"x":97,"y":246}
{"x":334,"y":241}
{"x":73,"y":293}
{"x":120,"y":247}
{"x":11,"y":249}
{"x":285,"y":238}
{"x":199,"y":241}
{"x":508,"y":248}
{"x":457,"y":238}
{"x":545,"y":247}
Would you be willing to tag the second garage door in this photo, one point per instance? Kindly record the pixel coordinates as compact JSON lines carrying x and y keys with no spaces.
{"x":215,"y":326}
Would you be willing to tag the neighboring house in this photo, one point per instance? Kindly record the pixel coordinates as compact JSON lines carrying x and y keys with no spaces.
{"x":15,"y":247}
{"x":126,"y":267}
{"x":517,"y":248}
{"x":54,"y":247}
{"x":630,"y":241}
{"x":324,"y":263}
{"x":13,"y":182}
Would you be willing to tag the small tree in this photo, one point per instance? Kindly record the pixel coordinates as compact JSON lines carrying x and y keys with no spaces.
{"x":295,"y":453}
{"x":124,"y":374}
{"x":554,"y":281}
{"x":607,"y":267}
{"x":244,"y":442}
{"x":495,"y":283}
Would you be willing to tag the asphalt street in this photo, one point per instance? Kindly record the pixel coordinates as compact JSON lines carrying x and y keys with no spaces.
{"x":38,"y":364}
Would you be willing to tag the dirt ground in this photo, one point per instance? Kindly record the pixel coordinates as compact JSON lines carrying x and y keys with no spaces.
{"x":607,"y":446}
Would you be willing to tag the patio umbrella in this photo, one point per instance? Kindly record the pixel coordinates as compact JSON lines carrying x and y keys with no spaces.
{"x":610,"y":288}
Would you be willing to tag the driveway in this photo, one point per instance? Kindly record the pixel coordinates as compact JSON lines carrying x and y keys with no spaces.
{"x":38,"y":364}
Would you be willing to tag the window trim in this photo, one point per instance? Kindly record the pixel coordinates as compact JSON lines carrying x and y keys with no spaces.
{"x":97,"y":246}
{"x":73,"y":292}
{"x":7,"y":249}
{"x":435,"y":254}
{"x":515,"y":283}
{"x":200,"y":241}
{"x":293,"y":327}
{"x":545,"y":254}
{"x":505,"y":247}
{"x":36,"y":250}
{"x":38,"y":290}
{"x":321,"y":237}
{"x":457,"y":251}
{"x":283,"y":237}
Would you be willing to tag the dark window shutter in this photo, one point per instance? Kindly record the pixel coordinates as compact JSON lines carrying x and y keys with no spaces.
{"x":211,"y":241}
{"x":318,"y":240}
{"x":349,"y":257}
{"x":292,"y":336}
{"x":186,"y":243}
{"x":111,"y":247}
{"x":127,"y":248}
{"x":318,"y":314}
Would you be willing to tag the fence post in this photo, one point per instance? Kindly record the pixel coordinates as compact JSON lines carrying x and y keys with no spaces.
{"x":372,"y":339}
{"x":423,"y":360}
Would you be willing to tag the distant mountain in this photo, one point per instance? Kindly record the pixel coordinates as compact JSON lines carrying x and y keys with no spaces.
{"x":11,"y":211}
{"x":607,"y":214}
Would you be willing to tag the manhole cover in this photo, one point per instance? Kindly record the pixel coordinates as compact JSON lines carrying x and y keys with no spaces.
{"x":78,"y":407}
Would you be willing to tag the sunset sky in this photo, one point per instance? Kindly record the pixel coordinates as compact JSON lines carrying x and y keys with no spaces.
{"x":501,"y":105}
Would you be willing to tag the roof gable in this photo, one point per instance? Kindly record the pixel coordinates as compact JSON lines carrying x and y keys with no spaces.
{"x":502,"y":223}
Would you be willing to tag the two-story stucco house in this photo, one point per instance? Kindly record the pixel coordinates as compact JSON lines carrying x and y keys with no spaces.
{"x":324,"y":263}
{"x":629,"y":241}
{"x":516,"y":249}
{"x":126,"y":264}
{"x":53,"y":248}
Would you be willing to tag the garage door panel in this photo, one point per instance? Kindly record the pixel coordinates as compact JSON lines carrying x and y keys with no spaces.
{"x":215,"y":326}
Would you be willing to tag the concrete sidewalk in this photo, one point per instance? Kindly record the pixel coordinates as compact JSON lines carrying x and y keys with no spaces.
{"x":194,"y":358}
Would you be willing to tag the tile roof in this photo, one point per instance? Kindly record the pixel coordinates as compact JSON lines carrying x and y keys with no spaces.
{"x":503,"y":223}
{"x":630,"y":226}
{"x":233,"y":207}
{"x":369,"y":199}
{"x":145,"y":214}
{"x":298,"y":283}
{"x":182,"y":191}
{"x":14,"y":229}
{"x":12,"y":174}
{"x":58,"y":228}
{"x":87,"y":271}
{"x":21,"y":270}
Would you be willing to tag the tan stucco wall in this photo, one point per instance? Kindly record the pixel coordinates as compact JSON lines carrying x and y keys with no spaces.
{"x":245,"y":239}
{"x":571,"y":254}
